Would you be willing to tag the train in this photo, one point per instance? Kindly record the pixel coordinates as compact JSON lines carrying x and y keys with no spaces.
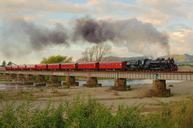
{"x":159,"y":64}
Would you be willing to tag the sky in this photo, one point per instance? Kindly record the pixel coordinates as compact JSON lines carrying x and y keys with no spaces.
{"x":173,"y":17}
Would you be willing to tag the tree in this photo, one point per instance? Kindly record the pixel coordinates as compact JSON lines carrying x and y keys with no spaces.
{"x":95,"y":53}
{"x":56,"y":59}
{"x":9,"y":63}
{"x":3,"y":64}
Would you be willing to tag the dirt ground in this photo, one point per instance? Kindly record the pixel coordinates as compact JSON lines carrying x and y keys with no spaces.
{"x":110,"y":98}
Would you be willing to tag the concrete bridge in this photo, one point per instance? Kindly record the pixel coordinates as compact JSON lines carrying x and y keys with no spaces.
{"x":159,"y":78}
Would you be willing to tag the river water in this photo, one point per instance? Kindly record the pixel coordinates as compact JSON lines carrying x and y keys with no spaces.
{"x":105,"y":83}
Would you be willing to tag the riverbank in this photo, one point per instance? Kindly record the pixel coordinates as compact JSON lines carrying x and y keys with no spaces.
{"x":89,"y":113}
{"x":105,"y":95}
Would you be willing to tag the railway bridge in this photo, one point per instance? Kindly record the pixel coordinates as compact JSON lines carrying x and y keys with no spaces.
{"x":159,"y":78}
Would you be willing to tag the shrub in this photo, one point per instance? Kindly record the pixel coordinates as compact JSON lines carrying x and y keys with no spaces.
{"x":84,"y":113}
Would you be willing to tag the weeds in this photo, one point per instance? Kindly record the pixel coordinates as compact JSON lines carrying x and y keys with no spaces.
{"x":82,"y":113}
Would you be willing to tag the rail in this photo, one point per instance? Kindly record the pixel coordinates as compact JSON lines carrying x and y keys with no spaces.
{"x":179,"y":75}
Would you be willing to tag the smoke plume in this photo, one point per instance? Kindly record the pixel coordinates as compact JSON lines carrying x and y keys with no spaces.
{"x":21,"y":37}
{"x":139,"y":37}
{"x":40,"y":36}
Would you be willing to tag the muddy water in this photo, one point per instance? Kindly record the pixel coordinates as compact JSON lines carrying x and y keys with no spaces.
{"x":105,"y":83}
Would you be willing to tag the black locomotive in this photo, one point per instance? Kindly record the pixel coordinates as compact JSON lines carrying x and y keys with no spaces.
{"x":159,"y":64}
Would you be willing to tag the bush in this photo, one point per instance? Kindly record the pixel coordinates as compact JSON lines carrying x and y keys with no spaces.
{"x":82,"y":113}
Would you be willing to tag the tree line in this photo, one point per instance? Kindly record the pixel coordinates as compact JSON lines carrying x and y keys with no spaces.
{"x":4,"y":63}
{"x":95,"y":53}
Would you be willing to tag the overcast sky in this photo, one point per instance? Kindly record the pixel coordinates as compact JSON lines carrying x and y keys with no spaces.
{"x":173,"y":17}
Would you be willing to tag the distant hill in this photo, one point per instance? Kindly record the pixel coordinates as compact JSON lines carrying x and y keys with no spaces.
{"x":115,"y":58}
{"x":183,"y":59}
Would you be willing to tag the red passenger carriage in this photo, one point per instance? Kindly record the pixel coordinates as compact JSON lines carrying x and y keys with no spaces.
{"x":22,"y":67}
{"x":41,"y":67}
{"x":15,"y":68}
{"x":88,"y":66}
{"x":68,"y":66}
{"x":8,"y":68}
{"x":3,"y":68}
{"x":54,"y":66}
{"x":112,"y":65}
{"x":31,"y":67}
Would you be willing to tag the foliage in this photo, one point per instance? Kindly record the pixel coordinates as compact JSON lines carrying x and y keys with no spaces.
{"x":3,"y":64}
{"x":9,"y":63}
{"x":82,"y":113}
{"x":56,"y":59}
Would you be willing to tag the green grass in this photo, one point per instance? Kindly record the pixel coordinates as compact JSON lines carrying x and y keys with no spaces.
{"x":82,"y":113}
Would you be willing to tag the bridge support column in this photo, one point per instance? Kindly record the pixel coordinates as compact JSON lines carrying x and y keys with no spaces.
{"x":29,"y":79}
{"x":159,"y":89}
{"x":71,"y":81}
{"x":54,"y":81}
{"x":120,"y":84}
{"x":2,"y":76}
{"x":21,"y":78}
{"x":13,"y":77}
{"x":7,"y":77}
{"x":40,"y":80}
{"x":92,"y":82}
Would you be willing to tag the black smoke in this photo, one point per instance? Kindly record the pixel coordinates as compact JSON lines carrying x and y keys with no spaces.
{"x":93,"y":31}
{"x":20,"y":36}
{"x":41,"y":36}
{"x":137,"y":36}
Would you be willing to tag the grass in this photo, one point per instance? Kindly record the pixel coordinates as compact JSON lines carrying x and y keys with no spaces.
{"x":81,"y":113}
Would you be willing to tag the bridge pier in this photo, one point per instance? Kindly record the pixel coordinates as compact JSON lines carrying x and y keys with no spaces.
{"x":92,"y":82}
{"x":13,"y":77}
{"x":29,"y":79}
{"x":159,"y":89}
{"x":40,"y":80}
{"x":7,"y":77}
{"x":120,"y":84}
{"x":20,"y":78}
{"x":54,"y":81}
{"x":2,"y":76}
{"x":71,"y":81}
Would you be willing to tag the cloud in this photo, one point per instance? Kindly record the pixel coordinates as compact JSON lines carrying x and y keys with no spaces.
{"x":151,"y":11}
{"x":171,"y":9}
{"x":157,"y":12}
{"x":181,"y":40}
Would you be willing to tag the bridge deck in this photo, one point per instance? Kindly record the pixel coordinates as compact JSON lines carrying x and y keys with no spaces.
{"x":112,"y":74}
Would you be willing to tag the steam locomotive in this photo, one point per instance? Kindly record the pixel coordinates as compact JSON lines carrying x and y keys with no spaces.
{"x":159,"y":64}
